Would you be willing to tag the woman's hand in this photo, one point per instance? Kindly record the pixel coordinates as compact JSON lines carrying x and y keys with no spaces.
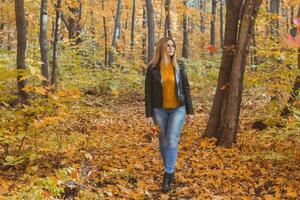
{"x":189,"y":118}
{"x":149,"y":121}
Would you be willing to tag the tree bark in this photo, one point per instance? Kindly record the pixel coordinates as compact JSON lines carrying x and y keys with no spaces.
{"x":202,"y":17}
{"x":112,"y":51}
{"x":44,"y":41}
{"x":274,"y":10}
{"x":21,"y":47}
{"x":185,"y":46}
{"x":151,"y":29}
{"x":53,"y":80}
{"x":132,"y":25}
{"x":144,"y":40}
{"x":105,"y":37}
{"x":231,"y":27}
{"x":250,"y":9}
{"x":213,"y":24}
{"x":221,"y":25}
{"x":224,"y":118}
{"x":168,"y":27}
{"x":74,"y":27}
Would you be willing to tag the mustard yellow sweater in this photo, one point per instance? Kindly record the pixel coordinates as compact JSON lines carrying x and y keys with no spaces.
{"x":169,"y":86}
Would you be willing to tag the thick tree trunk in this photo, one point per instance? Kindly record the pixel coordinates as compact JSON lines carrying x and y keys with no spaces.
{"x":231,"y":27}
{"x":213,"y":24}
{"x":225,"y":112}
{"x":53,"y":80}
{"x":250,"y":9}
{"x":74,"y":27}
{"x":168,"y":27}
{"x":112,"y":51}
{"x":44,"y":41}
{"x":132,"y":25}
{"x":21,"y":47}
{"x":202,"y":17}
{"x":185,"y":46}
{"x":151,"y":29}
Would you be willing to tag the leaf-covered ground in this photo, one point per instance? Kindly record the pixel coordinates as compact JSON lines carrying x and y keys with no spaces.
{"x":110,"y":153}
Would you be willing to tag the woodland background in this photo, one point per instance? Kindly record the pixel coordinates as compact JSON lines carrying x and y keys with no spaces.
{"x":72,"y":100}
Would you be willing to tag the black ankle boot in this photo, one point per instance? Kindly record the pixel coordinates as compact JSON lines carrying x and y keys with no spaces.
{"x":172,"y":178}
{"x":166,"y":183}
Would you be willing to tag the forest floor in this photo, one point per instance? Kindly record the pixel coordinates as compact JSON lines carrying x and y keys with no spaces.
{"x":110,"y":153}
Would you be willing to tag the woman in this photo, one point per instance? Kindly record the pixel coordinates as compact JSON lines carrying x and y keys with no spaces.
{"x":168,"y":102}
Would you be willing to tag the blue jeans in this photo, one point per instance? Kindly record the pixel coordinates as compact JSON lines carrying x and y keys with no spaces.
{"x":170,"y":122}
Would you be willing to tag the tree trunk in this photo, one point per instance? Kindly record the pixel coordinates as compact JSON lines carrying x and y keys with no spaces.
{"x":53,"y":81}
{"x":274,"y":9}
{"x":228,"y":134}
{"x":232,"y":17}
{"x":202,"y":17}
{"x":74,"y":27}
{"x":221,"y":25}
{"x":293,"y":30}
{"x":21,"y":47}
{"x":44,"y":41}
{"x":112,"y":51}
{"x":213,"y":24}
{"x":144,"y":40}
{"x":132,"y":25}
{"x":225,"y":111}
{"x":168,"y":28}
{"x":105,"y":37}
{"x":151,"y":29}
{"x":185,"y":46}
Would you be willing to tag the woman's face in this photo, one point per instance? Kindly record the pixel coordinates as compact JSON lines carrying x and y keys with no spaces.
{"x":170,"y":48}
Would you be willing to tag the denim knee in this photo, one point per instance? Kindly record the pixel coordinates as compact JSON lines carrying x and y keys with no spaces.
{"x":173,"y":143}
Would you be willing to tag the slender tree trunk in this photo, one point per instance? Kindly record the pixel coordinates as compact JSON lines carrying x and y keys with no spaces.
{"x":93,"y":34}
{"x":105,"y":37}
{"x":9,"y":41}
{"x":185,"y":46}
{"x":111,"y":58}
{"x":202,"y":17}
{"x":287,"y":19}
{"x":161,"y":14}
{"x":168,"y":27}
{"x":274,"y":10}
{"x":53,"y":80}
{"x":132,"y":25}
{"x":213,"y":24}
{"x":144,"y":41}
{"x":21,"y":47}
{"x":293,"y":29}
{"x":44,"y":41}
{"x":221,"y":25}
{"x":151,"y":29}
{"x":2,"y":25}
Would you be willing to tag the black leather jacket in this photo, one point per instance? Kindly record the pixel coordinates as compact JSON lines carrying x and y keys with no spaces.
{"x":153,"y":89}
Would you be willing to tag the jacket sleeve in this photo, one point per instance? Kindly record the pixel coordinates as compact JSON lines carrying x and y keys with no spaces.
{"x":148,"y":93}
{"x":186,"y":90}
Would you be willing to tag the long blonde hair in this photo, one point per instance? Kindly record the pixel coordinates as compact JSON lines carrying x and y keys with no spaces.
{"x":160,"y":52}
